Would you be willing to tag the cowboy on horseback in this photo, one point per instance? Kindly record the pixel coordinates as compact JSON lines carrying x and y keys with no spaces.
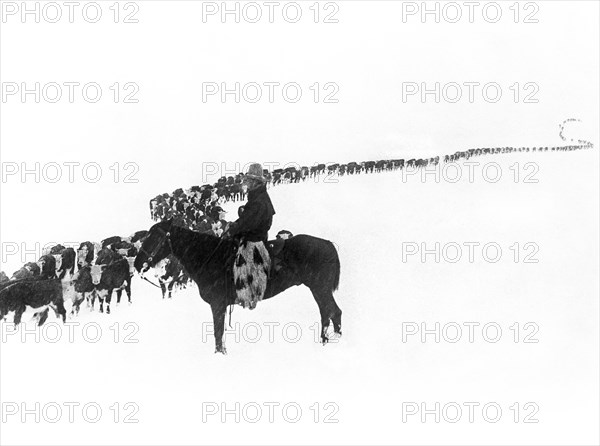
{"x":252,"y":261}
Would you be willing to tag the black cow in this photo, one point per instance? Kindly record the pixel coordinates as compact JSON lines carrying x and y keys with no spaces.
{"x":47,"y":266}
{"x":39,"y":294}
{"x":85,"y":254}
{"x":124,"y":248}
{"x":110,"y":240}
{"x":111,"y":272}
{"x":138,"y":238}
{"x":65,"y":261}
{"x":27,"y":271}
{"x":84,"y":288}
{"x":351,"y":168}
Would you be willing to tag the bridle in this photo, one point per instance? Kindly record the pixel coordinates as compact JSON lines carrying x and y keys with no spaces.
{"x":158,"y":247}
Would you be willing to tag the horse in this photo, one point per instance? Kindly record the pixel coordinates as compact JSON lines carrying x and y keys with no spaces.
{"x":306,"y":260}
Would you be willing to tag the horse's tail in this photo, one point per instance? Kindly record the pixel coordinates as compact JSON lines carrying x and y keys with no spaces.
{"x":336,"y":277}
{"x":336,"y":268}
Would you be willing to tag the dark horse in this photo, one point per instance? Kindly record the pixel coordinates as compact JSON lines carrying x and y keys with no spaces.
{"x":208,"y":260}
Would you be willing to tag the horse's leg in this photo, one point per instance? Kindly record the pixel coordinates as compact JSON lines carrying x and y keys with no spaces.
{"x":325,"y":315}
{"x":219,"y":309}
{"x":171,"y":285}
{"x":163,"y":288}
{"x":329,"y":311}
{"x":119,"y":292}
{"x":336,"y":318}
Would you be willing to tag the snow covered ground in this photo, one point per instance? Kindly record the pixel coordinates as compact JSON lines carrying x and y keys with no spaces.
{"x":369,"y":386}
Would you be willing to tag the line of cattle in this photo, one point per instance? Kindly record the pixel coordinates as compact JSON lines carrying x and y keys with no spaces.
{"x":98,"y":270}
{"x":193,"y":206}
{"x":95,"y":270}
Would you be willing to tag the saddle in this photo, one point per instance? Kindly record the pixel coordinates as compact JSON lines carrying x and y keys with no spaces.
{"x":274,"y":248}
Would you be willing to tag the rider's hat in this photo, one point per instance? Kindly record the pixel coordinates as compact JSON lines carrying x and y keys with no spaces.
{"x":255,"y":172}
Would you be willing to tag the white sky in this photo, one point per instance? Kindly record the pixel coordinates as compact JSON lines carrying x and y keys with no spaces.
{"x":171,"y":132}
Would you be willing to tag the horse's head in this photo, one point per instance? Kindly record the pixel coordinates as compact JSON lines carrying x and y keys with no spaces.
{"x":156,"y":246}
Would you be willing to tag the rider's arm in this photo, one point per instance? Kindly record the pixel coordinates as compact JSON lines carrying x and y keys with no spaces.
{"x":248,"y":219}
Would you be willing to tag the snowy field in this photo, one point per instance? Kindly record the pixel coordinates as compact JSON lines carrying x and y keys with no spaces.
{"x":155,"y":358}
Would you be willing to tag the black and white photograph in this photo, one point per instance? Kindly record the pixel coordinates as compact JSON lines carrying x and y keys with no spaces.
{"x":310,"y":222}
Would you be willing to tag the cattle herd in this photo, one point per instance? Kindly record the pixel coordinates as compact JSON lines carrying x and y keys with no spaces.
{"x":96,"y":270}
{"x":199,"y":208}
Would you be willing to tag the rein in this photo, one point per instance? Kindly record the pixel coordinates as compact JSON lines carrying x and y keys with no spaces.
{"x":166,"y":283}
{"x":150,"y":282}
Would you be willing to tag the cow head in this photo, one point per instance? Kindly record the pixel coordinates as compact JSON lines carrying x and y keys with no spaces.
{"x":160,"y":270}
{"x":58,"y":261}
{"x":96,"y":273}
{"x":122,"y":252}
{"x":66,"y":264}
{"x":82,"y":256}
{"x":131,"y":261}
{"x":47,"y":264}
